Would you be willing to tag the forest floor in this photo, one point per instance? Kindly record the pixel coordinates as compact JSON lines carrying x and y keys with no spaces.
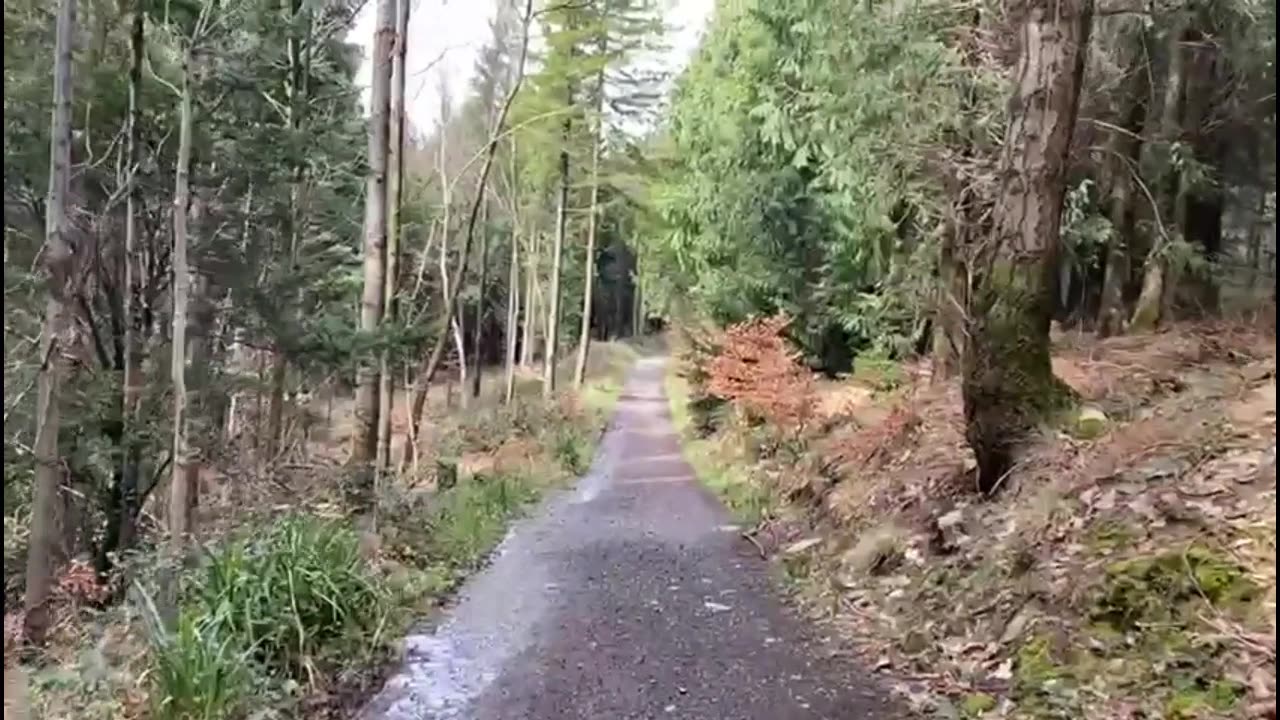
{"x":1126,"y":568}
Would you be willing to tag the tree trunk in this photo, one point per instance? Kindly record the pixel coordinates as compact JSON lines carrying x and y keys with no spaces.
{"x":395,"y":198}
{"x":513,"y":284}
{"x":133,"y":273}
{"x":57,"y":338}
{"x":531,"y":310}
{"x":365,"y":434}
{"x":513,"y":310}
{"x":637,"y":303}
{"x":297,"y":99}
{"x":557,"y":250}
{"x":1155,"y":286}
{"x":589,"y":265}
{"x":185,"y":459}
{"x":948,"y":331}
{"x":455,"y":316}
{"x":1008,"y":380}
{"x":1201,"y":223}
{"x":477,"y":332}
{"x":1124,"y":149}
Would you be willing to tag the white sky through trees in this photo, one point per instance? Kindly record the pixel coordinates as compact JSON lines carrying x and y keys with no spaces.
{"x":446,"y":35}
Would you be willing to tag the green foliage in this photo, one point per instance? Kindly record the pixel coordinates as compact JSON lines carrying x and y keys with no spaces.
{"x":199,"y":671}
{"x":296,"y":593}
{"x":470,"y":518}
{"x":797,"y":178}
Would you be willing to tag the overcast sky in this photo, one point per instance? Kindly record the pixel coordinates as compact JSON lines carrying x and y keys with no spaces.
{"x":455,"y":30}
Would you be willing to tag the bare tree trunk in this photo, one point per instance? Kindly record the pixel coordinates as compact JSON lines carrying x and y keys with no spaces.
{"x":557,"y":252}
{"x":589,"y":269}
{"x":395,"y":196}
{"x":513,"y":309}
{"x":455,"y":318}
{"x":531,"y":310}
{"x":133,"y":269}
{"x":185,"y":458}
{"x":1150,"y":306}
{"x":477,"y":332}
{"x":1124,"y":148}
{"x":365,"y":435}
{"x":513,"y":283}
{"x":1008,"y":379}
{"x":948,"y":331}
{"x":637,"y":303}
{"x":56,"y":339}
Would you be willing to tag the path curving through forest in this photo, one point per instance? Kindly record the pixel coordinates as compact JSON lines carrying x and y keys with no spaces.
{"x":630,"y":596}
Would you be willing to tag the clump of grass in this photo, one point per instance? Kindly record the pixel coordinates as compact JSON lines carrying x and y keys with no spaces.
{"x":298,"y":590}
{"x":199,"y":671}
{"x":471,"y":518}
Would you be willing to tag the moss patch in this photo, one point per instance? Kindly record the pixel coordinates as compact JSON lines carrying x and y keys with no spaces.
{"x":976,"y":705}
{"x":1158,"y":588}
{"x":1192,"y":699}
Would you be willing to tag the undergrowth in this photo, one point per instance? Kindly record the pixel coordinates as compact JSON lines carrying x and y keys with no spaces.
{"x":297,"y":614}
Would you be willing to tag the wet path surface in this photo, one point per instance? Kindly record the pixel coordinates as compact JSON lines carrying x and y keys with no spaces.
{"x":627,"y":597}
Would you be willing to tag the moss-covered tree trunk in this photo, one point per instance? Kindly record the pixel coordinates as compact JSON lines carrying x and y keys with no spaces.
{"x":1008,"y":379}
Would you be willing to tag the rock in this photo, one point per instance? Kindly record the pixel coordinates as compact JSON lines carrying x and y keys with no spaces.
{"x":1089,"y":423}
{"x":800,"y":546}
{"x":1017,"y":624}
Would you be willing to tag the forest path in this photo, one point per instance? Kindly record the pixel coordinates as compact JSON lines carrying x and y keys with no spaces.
{"x":629,"y":596}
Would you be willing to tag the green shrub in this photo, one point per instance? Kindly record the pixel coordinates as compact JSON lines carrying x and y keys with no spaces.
{"x":470,"y":518}
{"x":292,"y":592}
{"x":199,"y":672}
{"x":571,"y":449}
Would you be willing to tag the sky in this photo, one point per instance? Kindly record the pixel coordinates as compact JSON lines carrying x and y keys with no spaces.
{"x":446,"y":35}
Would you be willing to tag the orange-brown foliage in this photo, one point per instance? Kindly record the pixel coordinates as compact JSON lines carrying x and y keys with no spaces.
{"x":759,"y":370}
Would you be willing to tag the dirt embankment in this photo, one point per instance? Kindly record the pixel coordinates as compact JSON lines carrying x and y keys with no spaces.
{"x":1125,"y":567}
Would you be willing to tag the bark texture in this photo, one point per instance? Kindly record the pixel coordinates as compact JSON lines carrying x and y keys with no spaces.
{"x":1008,"y":382}
{"x":395,"y":198}
{"x":365,"y":434}
{"x":56,"y":339}
{"x":1124,"y":148}
{"x":185,"y":460}
{"x":1148,"y":311}
{"x":557,"y":253}
{"x":593,"y":211}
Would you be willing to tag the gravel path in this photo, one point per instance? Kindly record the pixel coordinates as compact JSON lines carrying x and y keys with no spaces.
{"x":628,"y":597}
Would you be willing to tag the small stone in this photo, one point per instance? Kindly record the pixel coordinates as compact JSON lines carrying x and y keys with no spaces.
{"x":800,"y":546}
{"x":716,"y":607}
{"x":1090,"y":422}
